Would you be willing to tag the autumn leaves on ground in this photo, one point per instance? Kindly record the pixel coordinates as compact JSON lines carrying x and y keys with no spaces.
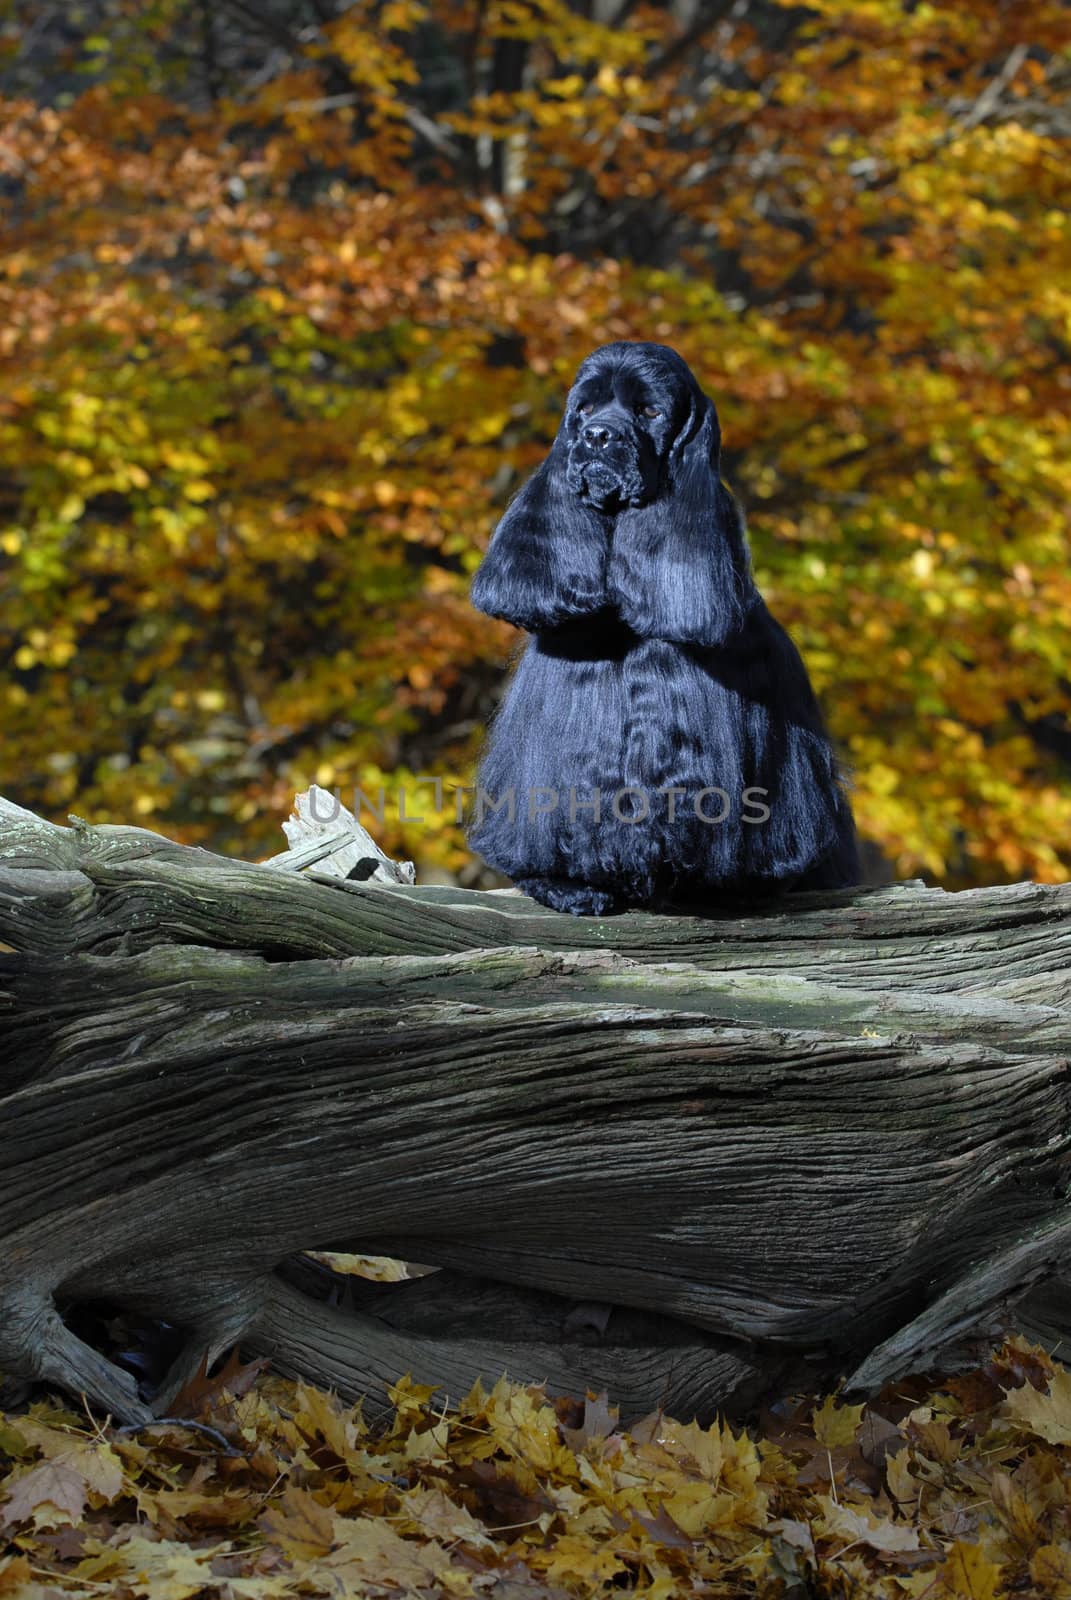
{"x":954,"y":1492}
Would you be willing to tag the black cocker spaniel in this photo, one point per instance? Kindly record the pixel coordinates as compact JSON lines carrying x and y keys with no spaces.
{"x":660,"y":741}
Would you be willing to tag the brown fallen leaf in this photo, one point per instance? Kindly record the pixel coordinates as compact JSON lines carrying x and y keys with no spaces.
{"x":877,"y":1438}
{"x":1050,"y":1570}
{"x":201,"y":1393}
{"x":1014,"y":1511}
{"x":92,"y":1457}
{"x":196,"y":1508}
{"x":646,"y":1429}
{"x":600,"y":1421}
{"x":905,"y":1490}
{"x":1018,"y":1362}
{"x":303,"y":1529}
{"x":859,"y":1526}
{"x":15,"y":1574}
{"x":796,"y":1533}
{"x":664,"y":1531}
{"x":369,"y":1551}
{"x":168,"y":1570}
{"x":514,"y":1580}
{"x":62,"y":1544}
{"x":502,"y":1499}
{"x":436,"y":1514}
{"x":51,"y":1494}
{"x":848,"y":1450}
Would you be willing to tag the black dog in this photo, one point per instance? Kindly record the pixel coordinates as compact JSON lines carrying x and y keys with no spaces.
{"x":660,"y":740}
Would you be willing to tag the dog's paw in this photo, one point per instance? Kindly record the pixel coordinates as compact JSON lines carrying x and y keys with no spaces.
{"x":562,"y":894}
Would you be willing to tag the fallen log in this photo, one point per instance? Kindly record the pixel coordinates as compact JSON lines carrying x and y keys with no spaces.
{"x":827,"y":1138}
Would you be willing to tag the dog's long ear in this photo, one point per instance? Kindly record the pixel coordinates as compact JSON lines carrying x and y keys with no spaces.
{"x":547,"y":560}
{"x":679,"y":567}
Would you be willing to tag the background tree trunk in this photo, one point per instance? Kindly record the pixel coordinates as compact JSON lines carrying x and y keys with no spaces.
{"x":829,"y":1137}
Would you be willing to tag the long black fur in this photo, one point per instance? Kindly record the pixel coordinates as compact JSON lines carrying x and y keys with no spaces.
{"x":655,"y":664}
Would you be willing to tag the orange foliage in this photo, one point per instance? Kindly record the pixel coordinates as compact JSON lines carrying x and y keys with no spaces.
{"x":276,"y":344}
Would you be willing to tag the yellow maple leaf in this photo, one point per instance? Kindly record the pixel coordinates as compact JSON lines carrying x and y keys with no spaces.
{"x":967,"y":1574}
{"x":573,"y":1557}
{"x":409,"y":1398}
{"x":1050,"y":1569}
{"x":321,"y":1415}
{"x":1046,"y":1415}
{"x":835,"y":1424}
{"x":302,"y":1528}
{"x":428,"y":1444}
{"x":197,"y":1508}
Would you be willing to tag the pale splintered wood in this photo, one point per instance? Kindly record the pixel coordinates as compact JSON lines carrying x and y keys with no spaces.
{"x":323,"y":833}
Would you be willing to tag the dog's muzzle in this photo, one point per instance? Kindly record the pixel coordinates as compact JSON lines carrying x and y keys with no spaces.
{"x":605,"y":469}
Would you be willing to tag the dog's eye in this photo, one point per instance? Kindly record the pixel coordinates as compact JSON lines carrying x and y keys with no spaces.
{"x":651,"y":411}
{"x":586,"y":410}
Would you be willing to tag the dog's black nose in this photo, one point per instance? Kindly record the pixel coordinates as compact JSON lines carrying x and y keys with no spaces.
{"x":598,"y":435}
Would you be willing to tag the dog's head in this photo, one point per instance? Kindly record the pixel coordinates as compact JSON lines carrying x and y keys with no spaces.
{"x":631,"y":410}
{"x":627,"y":515}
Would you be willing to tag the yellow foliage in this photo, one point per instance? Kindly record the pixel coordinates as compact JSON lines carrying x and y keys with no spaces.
{"x":273,"y":361}
{"x":957,"y":1493}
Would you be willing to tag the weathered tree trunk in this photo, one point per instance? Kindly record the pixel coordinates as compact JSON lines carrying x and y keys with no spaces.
{"x":826,"y":1138}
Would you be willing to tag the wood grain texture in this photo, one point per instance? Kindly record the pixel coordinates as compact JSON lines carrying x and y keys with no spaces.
{"x":823,"y":1138}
